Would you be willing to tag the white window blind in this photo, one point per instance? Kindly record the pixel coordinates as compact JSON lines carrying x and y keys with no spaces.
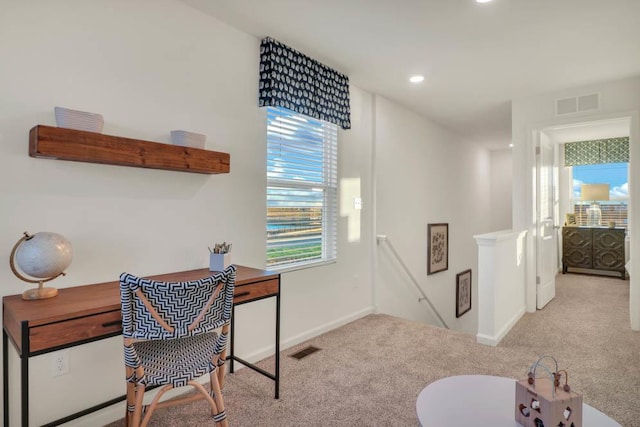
{"x":301,"y":189}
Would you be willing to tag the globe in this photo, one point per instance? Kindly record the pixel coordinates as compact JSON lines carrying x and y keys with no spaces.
{"x":42,"y":256}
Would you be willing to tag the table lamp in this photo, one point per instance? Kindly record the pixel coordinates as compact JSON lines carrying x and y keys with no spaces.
{"x":594,"y":193}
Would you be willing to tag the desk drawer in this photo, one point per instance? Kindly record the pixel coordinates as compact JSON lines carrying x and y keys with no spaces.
{"x":255,"y":291}
{"x":74,"y":330}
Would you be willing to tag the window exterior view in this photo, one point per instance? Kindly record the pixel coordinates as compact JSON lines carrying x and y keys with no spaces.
{"x":614,"y":174}
{"x":301,"y":189}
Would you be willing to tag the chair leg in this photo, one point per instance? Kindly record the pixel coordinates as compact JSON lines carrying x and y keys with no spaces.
{"x":221,"y":372}
{"x":223,"y":356}
{"x":217,"y":397}
{"x":216,"y":403}
{"x":129,"y":404}
{"x":131,"y":397}
{"x":154,"y":403}
{"x":137,"y":412}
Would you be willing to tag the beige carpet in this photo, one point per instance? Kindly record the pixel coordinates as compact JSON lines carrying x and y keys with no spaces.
{"x":586,"y":327}
{"x":370,"y":372}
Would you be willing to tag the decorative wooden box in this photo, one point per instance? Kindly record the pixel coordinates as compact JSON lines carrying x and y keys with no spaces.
{"x":543,"y":402}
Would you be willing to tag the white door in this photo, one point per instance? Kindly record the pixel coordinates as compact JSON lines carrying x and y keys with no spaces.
{"x":546,"y":214}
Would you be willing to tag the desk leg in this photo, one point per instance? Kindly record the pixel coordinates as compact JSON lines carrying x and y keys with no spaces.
{"x":5,"y":377}
{"x":231,"y":358}
{"x":233,"y":324}
{"x":24,"y":378}
{"x":277,"y":359}
{"x":24,"y":375}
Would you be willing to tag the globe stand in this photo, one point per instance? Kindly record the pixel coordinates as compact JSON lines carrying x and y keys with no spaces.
{"x":41,"y":292}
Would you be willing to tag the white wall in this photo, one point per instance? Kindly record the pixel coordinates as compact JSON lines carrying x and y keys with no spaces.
{"x":322,"y":298}
{"x":619,"y":98}
{"x":150,"y":67}
{"x":426,"y":175}
{"x":501,"y":291}
{"x":501,"y":182}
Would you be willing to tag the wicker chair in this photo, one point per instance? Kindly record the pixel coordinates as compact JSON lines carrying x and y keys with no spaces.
{"x":171,"y":339}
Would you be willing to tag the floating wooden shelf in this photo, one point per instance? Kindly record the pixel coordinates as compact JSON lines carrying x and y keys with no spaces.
{"x":69,"y":144}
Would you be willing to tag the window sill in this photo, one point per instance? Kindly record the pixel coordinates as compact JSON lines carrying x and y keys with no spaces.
{"x":301,"y":266}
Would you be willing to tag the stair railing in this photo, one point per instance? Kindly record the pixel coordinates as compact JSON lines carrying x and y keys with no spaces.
{"x":383,"y":238}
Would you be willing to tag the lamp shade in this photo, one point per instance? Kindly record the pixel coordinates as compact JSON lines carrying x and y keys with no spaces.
{"x":594,"y":192}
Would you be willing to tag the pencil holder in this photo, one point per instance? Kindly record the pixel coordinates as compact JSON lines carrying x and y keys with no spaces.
{"x":218,"y":262}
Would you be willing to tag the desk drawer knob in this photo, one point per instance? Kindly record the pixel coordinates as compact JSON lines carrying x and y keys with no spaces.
{"x":242,"y":294}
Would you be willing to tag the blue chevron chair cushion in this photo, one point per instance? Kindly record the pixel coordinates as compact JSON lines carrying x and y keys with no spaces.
{"x":176,"y":361}
{"x":177,"y":303}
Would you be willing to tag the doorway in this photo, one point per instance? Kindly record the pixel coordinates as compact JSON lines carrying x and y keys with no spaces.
{"x":553,"y":189}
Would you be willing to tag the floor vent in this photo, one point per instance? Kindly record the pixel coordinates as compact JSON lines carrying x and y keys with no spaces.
{"x":304,"y":352}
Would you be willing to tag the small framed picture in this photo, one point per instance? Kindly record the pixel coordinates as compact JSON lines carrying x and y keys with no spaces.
{"x":570,"y":220}
{"x":463,"y":292}
{"x":437,"y":248}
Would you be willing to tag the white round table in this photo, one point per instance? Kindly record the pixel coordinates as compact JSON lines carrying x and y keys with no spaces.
{"x":481,"y":400}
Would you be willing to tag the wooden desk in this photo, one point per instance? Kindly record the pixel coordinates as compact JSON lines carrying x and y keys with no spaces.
{"x":82,"y":314}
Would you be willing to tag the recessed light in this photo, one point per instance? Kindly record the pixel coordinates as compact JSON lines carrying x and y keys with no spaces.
{"x":483,"y":1}
{"x":416,"y":79}
{"x":511,"y":145}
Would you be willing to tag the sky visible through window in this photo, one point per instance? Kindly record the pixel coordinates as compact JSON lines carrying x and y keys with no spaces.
{"x":296,"y":147}
{"x":614,"y":174}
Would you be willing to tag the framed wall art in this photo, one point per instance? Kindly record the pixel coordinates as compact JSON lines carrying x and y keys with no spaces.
{"x":437,"y":248}
{"x":463,"y":292}
{"x":570,"y":220}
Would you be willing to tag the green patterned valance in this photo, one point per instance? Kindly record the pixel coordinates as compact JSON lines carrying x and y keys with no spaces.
{"x":614,"y":150}
{"x":611,"y":150}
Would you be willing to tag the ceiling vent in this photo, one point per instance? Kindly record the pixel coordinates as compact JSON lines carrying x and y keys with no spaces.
{"x":578,"y":104}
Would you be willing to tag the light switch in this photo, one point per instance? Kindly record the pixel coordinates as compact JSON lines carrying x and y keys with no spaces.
{"x":357,"y":203}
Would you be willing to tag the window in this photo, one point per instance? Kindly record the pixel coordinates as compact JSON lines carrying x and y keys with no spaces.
{"x":301,"y":189}
{"x":614,"y":174}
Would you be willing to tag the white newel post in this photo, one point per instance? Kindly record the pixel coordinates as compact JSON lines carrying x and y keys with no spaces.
{"x":501,"y":283}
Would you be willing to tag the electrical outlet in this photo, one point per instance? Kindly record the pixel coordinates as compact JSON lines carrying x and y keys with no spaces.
{"x":60,"y":363}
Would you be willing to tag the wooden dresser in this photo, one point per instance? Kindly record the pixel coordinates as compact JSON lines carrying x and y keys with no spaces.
{"x":594,"y":248}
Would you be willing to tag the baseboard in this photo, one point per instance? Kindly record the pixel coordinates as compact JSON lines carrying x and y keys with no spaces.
{"x":100,"y":418}
{"x":265,"y":352}
{"x":116,"y":411}
{"x":495,"y":339}
{"x":312,"y":333}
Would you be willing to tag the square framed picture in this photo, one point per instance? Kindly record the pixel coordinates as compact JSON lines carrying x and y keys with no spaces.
{"x":463,"y":292}
{"x":437,"y":248}
{"x":570,"y":220}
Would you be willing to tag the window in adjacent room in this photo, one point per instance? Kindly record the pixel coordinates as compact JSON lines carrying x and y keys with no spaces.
{"x":614,"y":174}
{"x":301,"y":189}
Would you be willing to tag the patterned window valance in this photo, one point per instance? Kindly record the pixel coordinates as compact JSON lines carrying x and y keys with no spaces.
{"x":292,"y":80}
{"x":611,"y":150}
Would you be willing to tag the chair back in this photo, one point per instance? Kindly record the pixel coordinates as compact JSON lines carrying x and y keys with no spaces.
{"x":156,"y":310}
